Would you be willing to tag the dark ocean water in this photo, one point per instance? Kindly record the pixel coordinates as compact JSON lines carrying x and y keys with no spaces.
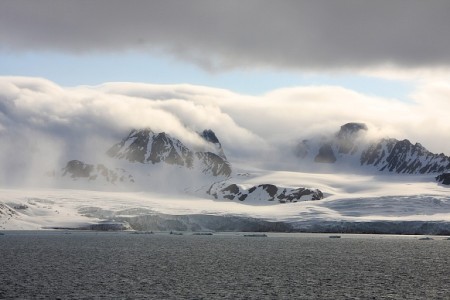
{"x":54,"y":265}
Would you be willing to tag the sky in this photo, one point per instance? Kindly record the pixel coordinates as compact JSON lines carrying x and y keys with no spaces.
{"x":257,"y":72}
{"x":380,"y":48}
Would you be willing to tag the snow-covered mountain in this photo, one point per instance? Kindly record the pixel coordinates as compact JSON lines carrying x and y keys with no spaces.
{"x":350,"y":147}
{"x":147,"y":147}
{"x":148,"y":157}
{"x":154,"y":181}
{"x":142,"y":150}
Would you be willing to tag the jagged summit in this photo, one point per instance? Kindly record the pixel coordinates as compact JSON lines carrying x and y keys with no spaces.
{"x":404,"y":157}
{"x":349,"y":148}
{"x":345,"y":141}
{"x":145,"y":146}
{"x":209,"y":136}
{"x":351,"y":129}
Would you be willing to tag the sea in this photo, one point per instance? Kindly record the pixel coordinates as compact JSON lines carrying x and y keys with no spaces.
{"x":123,"y":265}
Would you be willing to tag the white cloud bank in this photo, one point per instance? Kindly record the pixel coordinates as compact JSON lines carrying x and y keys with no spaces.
{"x":43,"y":124}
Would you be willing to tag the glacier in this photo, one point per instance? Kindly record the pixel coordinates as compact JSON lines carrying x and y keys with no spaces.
{"x":352,"y":203}
{"x":153,"y":181}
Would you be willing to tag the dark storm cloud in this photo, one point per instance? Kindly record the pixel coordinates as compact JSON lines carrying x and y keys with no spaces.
{"x":286,"y":34}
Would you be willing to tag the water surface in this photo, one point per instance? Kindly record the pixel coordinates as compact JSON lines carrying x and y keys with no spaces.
{"x":87,"y":265}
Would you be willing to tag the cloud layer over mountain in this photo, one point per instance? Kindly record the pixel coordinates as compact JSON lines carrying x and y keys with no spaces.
{"x":311,"y":35}
{"x":42,"y":125}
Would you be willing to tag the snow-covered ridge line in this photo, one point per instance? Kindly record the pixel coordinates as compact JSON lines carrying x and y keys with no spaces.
{"x":145,"y":146}
{"x":145,"y":160}
{"x":351,"y":148}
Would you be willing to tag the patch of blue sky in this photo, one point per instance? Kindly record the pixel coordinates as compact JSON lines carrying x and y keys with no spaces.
{"x":94,"y":69}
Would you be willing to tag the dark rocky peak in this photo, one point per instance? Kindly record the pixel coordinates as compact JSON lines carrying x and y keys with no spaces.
{"x":145,"y":146}
{"x":404,"y":157}
{"x":170,"y":150}
{"x":387,"y":154}
{"x":351,"y":130}
{"x":345,"y":138}
{"x":209,"y":136}
{"x":136,"y":149}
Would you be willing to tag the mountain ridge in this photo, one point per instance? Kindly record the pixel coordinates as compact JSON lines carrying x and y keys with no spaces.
{"x":350,"y":146}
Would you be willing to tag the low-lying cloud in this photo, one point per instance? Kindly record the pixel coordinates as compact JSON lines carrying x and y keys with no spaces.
{"x":43,"y":125}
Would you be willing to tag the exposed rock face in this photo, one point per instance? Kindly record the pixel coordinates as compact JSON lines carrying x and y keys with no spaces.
{"x":145,"y":146}
{"x":347,"y":135}
{"x":78,"y":169}
{"x":136,"y":149}
{"x":350,"y":129}
{"x":444,"y":178}
{"x":263,"y":192}
{"x":404,"y":157}
{"x":325,"y":155}
{"x":213,"y":164}
{"x":169,"y":150}
{"x":344,"y":142}
{"x":209,"y":136}
{"x":349,"y":147}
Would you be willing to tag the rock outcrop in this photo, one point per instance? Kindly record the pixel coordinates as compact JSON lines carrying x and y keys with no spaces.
{"x":263,"y":192}
{"x":350,"y":148}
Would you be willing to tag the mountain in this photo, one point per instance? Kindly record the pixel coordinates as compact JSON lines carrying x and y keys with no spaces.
{"x":350,"y":147}
{"x":141,"y":149}
{"x":146,"y":147}
{"x":181,"y":180}
{"x":404,"y":157}
{"x":262,"y":192}
{"x":209,"y":136}
{"x":143,"y":152}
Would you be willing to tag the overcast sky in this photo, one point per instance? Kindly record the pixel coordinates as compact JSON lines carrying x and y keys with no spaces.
{"x":226,"y":43}
{"x":277,"y":70}
{"x":315,"y":35}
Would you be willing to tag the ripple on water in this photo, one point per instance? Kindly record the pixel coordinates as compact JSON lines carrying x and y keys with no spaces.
{"x":89,"y":265}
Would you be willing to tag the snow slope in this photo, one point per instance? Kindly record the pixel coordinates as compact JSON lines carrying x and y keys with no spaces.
{"x":350,"y":198}
{"x":148,"y":177}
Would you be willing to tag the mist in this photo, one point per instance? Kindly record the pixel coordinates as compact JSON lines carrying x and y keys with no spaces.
{"x":43,"y":125}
